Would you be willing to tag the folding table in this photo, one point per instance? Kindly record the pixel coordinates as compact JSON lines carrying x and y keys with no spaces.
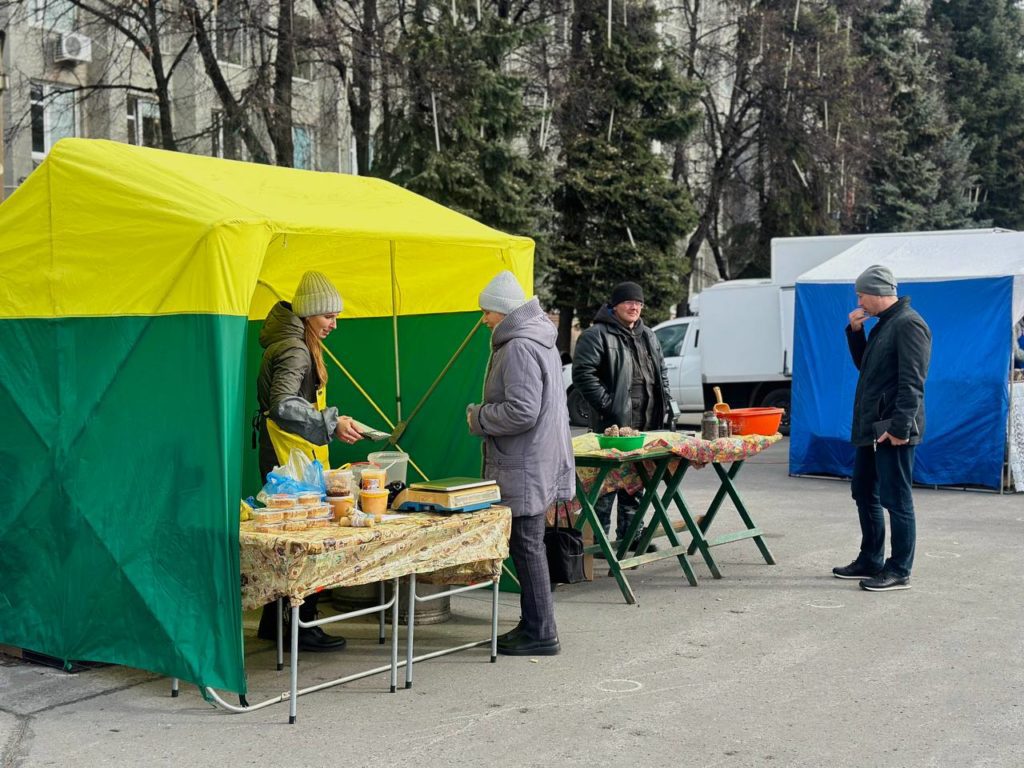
{"x":664,"y":460}
{"x":460,"y":549}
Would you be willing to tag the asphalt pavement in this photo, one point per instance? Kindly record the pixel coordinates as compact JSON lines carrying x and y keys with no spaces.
{"x":773,"y":665}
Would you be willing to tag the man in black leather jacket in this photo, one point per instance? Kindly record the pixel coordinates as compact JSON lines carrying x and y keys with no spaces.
{"x":620,"y":370}
{"x":888,"y":422}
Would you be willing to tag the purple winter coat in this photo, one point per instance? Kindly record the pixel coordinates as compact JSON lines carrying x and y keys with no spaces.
{"x":524,"y":418}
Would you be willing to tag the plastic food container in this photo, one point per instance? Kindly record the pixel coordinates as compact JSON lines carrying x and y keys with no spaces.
{"x":320,"y":521}
{"x":295,"y":513}
{"x":341,"y":506}
{"x":394,"y":463}
{"x":319,"y":510}
{"x":374,"y":502}
{"x":268,"y":515}
{"x":622,"y":443}
{"x":282,"y":500}
{"x":268,"y":527}
{"x":339,"y":482}
{"x":295,"y":525}
{"x":309,"y":498}
{"x":374,"y":479}
{"x":754,"y":421}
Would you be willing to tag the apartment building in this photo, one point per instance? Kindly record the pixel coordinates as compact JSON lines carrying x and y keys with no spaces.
{"x":66,"y":71}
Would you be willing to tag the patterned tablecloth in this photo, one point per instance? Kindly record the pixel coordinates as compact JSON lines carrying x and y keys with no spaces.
{"x":1015,"y":436}
{"x":698,"y":452}
{"x":441,"y":549}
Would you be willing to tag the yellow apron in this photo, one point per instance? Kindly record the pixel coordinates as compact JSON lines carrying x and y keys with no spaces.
{"x":285,"y":442}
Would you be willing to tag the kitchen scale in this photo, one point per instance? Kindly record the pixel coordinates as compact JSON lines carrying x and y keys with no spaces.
{"x":449,"y":494}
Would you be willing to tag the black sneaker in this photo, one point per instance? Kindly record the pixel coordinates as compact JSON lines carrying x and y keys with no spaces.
{"x":886,"y":581}
{"x":856,"y":571}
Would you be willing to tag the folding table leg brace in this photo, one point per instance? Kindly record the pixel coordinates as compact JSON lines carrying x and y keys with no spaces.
{"x":751,"y":531}
{"x":617,"y":562}
{"x":660,"y":515}
{"x":411,"y":620}
{"x":292,"y":694}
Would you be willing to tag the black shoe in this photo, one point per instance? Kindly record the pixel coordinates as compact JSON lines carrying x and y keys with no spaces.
{"x":512,"y":634}
{"x":315,"y":639}
{"x":855,"y":571}
{"x":524,"y":645}
{"x":886,"y":581}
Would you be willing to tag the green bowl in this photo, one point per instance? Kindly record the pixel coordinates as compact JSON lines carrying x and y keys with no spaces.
{"x":622,"y":443}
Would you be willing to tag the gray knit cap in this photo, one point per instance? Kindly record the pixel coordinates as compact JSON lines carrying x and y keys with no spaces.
{"x":316,"y":295}
{"x":876,"y":281}
{"x":502,"y":294}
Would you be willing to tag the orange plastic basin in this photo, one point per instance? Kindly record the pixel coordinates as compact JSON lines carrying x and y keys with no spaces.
{"x":754,"y":421}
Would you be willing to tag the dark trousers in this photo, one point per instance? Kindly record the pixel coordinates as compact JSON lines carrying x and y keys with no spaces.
{"x":526,"y":546}
{"x":628,"y":506}
{"x":882,"y":478}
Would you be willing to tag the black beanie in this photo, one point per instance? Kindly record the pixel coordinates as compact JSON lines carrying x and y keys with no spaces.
{"x":626,"y":292}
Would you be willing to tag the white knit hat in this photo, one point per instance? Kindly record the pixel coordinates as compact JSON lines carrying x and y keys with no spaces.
{"x":316,"y":295}
{"x":502,"y":294}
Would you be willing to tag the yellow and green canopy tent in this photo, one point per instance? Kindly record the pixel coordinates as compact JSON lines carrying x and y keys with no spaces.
{"x":133,"y":283}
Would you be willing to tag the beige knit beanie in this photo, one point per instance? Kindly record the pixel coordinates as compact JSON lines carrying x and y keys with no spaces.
{"x":316,"y":295}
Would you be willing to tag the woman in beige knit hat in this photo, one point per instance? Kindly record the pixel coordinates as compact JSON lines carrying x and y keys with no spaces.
{"x":292,"y":396}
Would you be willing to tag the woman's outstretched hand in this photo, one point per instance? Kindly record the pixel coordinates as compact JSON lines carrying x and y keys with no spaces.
{"x":346,"y":432}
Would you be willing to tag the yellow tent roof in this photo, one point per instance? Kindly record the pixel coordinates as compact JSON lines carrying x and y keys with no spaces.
{"x":103,"y":228}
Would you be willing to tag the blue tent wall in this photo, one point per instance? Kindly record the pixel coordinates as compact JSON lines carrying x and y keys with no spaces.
{"x":966,"y":396}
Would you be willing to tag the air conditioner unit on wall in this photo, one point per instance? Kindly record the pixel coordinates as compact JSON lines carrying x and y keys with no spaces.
{"x":72,"y":47}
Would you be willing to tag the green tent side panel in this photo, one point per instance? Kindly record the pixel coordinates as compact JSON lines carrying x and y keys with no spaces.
{"x":119,"y":531}
{"x":437,"y":439}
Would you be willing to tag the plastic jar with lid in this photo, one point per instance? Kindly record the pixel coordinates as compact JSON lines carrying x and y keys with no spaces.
{"x":374,"y":479}
{"x":373,"y":501}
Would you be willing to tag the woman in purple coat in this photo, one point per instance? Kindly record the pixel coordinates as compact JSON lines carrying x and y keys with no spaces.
{"x":527,"y":447}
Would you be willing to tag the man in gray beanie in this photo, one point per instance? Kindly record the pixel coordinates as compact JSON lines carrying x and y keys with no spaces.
{"x":524,"y":421}
{"x":888,"y":422}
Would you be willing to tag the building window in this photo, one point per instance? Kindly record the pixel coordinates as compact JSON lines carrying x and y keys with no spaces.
{"x":302,"y":44}
{"x":302,"y":147}
{"x":55,"y":15}
{"x":144,"y":123}
{"x":228,"y":31}
{"x":53,"y":117}
{"x":227,"y":140}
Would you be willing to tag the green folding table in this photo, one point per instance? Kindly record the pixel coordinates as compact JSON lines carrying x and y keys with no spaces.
{"x":662,"y":477}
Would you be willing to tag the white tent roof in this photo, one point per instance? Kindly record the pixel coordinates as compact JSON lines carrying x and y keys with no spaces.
{"x":921,"y":258}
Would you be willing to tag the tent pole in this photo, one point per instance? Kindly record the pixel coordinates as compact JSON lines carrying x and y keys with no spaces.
{"x":394,"y":328}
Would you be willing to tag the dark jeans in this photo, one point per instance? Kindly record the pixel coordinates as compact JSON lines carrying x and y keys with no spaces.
{"x":628,"y":506}
{"x":526,"y":546}
{"x":882,"y":478}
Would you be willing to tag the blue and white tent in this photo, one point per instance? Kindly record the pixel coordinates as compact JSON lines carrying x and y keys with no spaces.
{"x":970,"y":290}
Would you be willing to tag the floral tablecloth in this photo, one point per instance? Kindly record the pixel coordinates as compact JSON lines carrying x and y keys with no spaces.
{"x":689,"y":447}
{"x":461,"y":548}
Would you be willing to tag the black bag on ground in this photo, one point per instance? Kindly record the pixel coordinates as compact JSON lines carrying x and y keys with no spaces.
{"x":564,"y":547}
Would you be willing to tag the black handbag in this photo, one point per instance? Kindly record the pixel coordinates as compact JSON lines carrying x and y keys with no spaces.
{"x":564,"y":548}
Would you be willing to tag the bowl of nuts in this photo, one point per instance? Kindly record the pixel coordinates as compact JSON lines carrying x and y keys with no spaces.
{"x":621,"y":438}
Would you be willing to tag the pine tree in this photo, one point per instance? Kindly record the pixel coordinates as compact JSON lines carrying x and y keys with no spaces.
{"x":919,"y":173}
{"x":459,"y":134}
{"x":619,"y":216}
{"x":980,"y":42}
